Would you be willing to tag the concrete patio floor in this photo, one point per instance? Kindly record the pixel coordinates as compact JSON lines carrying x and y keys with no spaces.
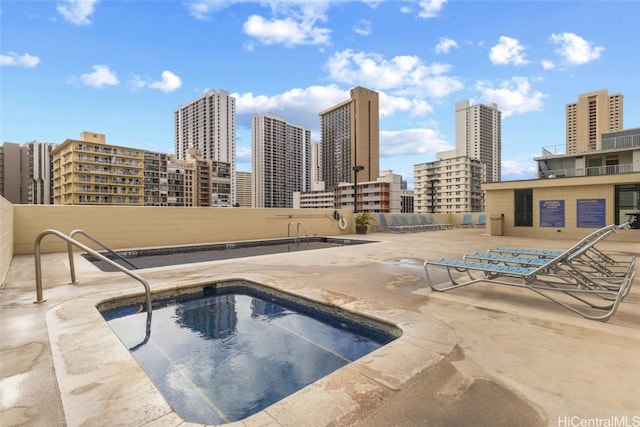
{"x":481,"y":355}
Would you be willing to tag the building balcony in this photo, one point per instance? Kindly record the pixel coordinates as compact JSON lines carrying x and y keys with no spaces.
{"x":590,"y":171}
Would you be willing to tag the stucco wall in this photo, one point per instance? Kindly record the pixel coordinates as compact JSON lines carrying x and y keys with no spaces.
{"x":500,"y":200}
{"x":6,"y":237}
{"x":121,"y":227}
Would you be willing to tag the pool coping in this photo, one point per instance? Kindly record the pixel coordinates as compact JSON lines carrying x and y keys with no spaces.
{"x":100,"y":381}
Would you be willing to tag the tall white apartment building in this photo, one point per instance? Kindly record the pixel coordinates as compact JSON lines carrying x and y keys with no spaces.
{"x":479,"y":135}
{"x":208,"y":124}
{"x":592,"y":115}
{"x":450,"y":184}
{"x":280,"y":160}
{"x":317,"y":183}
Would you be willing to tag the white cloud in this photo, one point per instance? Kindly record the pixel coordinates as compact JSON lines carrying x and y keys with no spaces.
{"x":169,"y":82}
{"x":430,"y":8}
{"x":285,"y":31}
{"x":513,"y":96}
{"x":411,"y":141}
{"x":363,"y":28}
{"x":13,"y":59}
{"x":78,"y":12}
{"x":445,"y":45}
{"x":515,"y":169}
{"x":101,"y":76}
{"x":297,"y":106}
{"x":404,"y":74}
{"x":548,"y":64}
{"x":574,"y":49}
{"x":508,"y":51}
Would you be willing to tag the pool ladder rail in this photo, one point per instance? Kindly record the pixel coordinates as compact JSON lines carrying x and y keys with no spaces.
{"x":73,"y":242}
{"x":296,"y":228}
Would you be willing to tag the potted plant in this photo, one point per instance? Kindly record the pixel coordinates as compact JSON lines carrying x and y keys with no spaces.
{"x":362,"y":222}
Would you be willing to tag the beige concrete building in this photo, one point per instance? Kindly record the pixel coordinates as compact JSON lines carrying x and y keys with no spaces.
{"x":197,"y":182}
{"x":381,"y":195}
{"x":592,"y":115}
{"x":350,"y":134}
{"x":451,"y":184}
{"x":243,"y":189}
{"x":565,"y":208}
{"x":88,"y":171}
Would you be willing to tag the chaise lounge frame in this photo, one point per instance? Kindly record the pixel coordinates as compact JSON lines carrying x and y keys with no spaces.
{"x":568,"y":273}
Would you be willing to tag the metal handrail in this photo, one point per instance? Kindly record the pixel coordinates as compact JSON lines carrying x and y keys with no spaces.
{"x":289,"y":226}
{"x":300,"y":224}
{"x":94,"y":240}
{"x":71,"y":241}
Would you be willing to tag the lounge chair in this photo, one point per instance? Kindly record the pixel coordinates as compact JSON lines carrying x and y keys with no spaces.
{"x":382,"y":223}
{"x":466,"y":220}
{"x":564,"y":274}
{"x":422,"y":222}
{"x":395,"y":221}
{"x":482,"y":220}
{"x":442,"y":226}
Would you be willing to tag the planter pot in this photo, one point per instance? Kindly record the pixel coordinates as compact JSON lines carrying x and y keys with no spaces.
{"x":361,"y":229}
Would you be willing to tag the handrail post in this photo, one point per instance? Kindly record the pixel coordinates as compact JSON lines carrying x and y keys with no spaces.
{"x":36,"y":253}
{"x":70,"y":241}
{"x":72,"y":268}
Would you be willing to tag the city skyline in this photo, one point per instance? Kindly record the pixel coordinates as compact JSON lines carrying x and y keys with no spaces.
{"x":122,"y":69}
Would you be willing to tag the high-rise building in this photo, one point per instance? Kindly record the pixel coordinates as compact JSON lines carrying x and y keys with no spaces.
{"x":350,"y":133}
{"x":91,"y":172}
{"x":243,"y":189}
{"x":208,"y":124}
{"x":594,"y":113}
{"x":479,"y":136}
{"x":156,"y":185}
{"x":281,"y":161}
{"x":25,"y":172}
{"x":450,"y":184}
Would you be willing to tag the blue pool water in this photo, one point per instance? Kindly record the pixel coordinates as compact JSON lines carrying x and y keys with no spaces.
{"x":225,"y":353}
{"x":160,"y":257}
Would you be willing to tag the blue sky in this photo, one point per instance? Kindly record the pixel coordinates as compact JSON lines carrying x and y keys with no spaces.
{"x":123,"y":67}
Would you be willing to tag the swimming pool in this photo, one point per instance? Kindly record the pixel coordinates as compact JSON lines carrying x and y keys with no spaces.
{"x":222,"y":352}
{"x":160,"y":257}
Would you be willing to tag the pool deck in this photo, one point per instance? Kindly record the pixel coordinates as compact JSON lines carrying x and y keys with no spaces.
{"x":484,"y":355}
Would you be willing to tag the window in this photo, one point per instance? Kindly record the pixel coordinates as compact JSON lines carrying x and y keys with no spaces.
{"x":627,"y":204}
{"x":523,"y":208}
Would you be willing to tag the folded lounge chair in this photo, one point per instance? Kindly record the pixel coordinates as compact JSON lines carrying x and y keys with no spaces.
{"x":466,"y":220}
{"x":550,"y":277}
{"x":482,"y":220}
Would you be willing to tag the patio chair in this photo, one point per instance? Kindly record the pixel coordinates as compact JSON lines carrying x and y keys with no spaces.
{"x":442,"y":226}
{"x":422,"y":222}
{"x":466,"y":220}
{"x":560,"y":275}
{"x":382,"y":223}
{"x":482,"y":220}
{"x":396,"y":225}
